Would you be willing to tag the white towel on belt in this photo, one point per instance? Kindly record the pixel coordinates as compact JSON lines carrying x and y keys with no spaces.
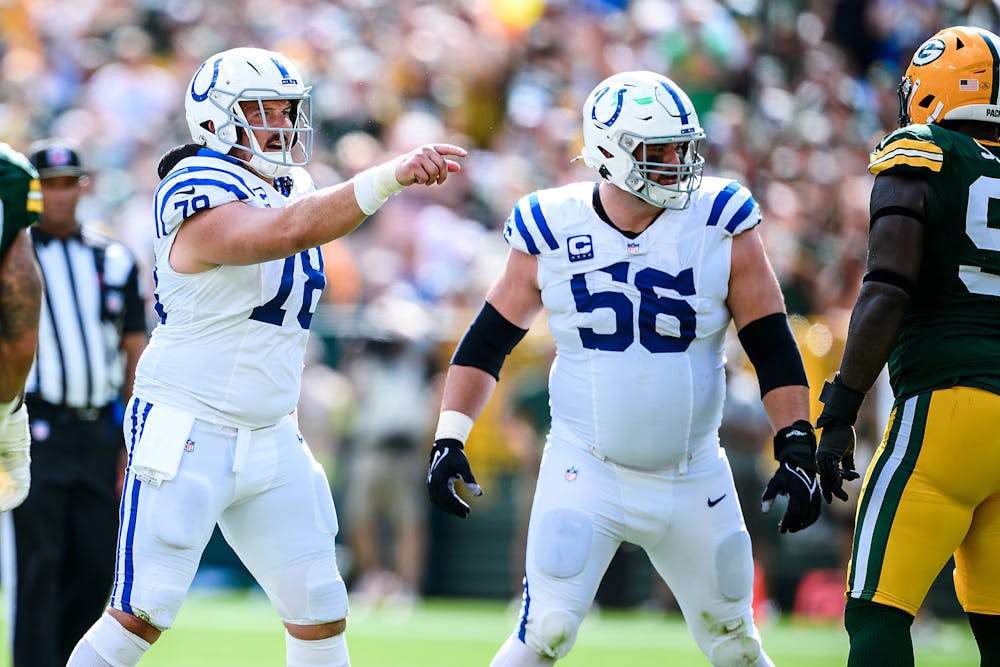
{"x":157,"y":455}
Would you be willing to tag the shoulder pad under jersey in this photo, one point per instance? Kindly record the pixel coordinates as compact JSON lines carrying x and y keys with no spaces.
{"x":730,"y":205}
{"x":911,"y":150}
{"x":199,"y":182}
{"x":532,"y":225}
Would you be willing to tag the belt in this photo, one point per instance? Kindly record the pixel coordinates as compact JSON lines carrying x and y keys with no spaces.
{"x":85,"y":414}
{"x":39,"y":406}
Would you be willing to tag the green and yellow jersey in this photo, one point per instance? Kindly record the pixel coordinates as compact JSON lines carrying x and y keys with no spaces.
{"x":20,"y":196}
{"x":951,"y":332}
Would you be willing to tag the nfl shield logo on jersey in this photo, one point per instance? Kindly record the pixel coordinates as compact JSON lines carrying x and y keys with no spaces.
{"x":633,"y":248}
{"x":570,"y":474}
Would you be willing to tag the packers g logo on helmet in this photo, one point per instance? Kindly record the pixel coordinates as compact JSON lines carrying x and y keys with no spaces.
{"x":929,"y":52}
{"x":954,"y":75}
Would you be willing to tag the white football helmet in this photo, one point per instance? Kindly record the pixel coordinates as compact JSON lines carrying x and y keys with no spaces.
{"x":250,"y":75}
{"x":627,"y":112}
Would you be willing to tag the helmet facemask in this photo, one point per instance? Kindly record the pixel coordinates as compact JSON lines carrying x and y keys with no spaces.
{"x":296,"y":141}
{"x":644,"y":180}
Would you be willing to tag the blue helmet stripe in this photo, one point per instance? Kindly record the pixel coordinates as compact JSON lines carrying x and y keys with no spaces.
{"x":720,"y":203}
{"x":543,"y":225}
{"x":677,"y":100}
{"x":281,"y":68}
{"x":523,"y":231}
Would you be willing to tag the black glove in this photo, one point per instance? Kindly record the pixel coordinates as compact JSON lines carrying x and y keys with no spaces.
{"x":794,"y":447}
{"x":448,"y":464}
{"x":835,"y":456}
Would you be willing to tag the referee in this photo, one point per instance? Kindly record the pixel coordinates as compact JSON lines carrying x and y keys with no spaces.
{"x":91,"y":333}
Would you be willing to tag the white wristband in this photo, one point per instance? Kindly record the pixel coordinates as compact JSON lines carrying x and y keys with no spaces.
{"x":453,"y":424}
{"x":374,"y":186}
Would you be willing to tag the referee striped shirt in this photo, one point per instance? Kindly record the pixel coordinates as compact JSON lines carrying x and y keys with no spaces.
{"x":92,"y":298}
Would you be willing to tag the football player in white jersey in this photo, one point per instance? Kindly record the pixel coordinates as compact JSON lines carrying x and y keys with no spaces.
{"x":211,"y":429}
{"x":640,"y":274}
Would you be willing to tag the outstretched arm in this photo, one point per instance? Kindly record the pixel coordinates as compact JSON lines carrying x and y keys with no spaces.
{"x":237,"y":234}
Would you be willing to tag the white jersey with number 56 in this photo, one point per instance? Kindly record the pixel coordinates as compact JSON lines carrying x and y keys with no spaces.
{"x":639,"y":323}
{"x":229,"y":343}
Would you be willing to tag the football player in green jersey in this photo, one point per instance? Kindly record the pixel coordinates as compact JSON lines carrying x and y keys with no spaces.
{"x":20,"y":304}
{"x":930,"y":308}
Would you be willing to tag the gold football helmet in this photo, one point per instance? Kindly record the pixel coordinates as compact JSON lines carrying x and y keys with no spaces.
{"x":952,"y":76}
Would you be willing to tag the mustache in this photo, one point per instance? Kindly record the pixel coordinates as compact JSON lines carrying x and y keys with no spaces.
{"x":274,"y":141}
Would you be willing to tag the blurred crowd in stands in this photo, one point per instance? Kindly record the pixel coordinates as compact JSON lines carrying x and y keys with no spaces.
{"x":793,"y":95}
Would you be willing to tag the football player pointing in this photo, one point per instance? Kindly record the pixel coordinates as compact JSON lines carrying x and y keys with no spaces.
{"x":641,"y":275}
{"x":211,"y":430}
{"x":930,"y":306}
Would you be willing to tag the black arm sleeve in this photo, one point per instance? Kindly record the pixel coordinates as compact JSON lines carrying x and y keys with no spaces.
{"x":488,"y":341}
{"x":772,"y":350}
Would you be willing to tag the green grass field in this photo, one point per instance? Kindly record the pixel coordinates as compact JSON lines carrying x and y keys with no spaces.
{"x":242,"y":631}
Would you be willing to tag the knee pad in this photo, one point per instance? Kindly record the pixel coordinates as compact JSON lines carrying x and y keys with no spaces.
{"x":554,"y":634}
{"x":308,"y":595}
{"x":164,"y":601}
{"x":734,"y":644}
{"x":734,"y":566}
{"x":326,"y":595}
{"x":563,"y":551}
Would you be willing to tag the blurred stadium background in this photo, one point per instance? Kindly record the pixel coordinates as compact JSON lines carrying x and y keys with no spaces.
{"x":793,"y":95}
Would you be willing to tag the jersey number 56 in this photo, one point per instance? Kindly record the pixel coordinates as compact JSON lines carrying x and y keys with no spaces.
{"x":651,"y":305}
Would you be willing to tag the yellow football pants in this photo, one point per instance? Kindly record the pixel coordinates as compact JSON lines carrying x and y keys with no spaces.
{"x":932,"y":490}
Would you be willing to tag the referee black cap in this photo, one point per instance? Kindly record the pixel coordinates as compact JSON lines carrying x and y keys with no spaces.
{"x":55,"y":157}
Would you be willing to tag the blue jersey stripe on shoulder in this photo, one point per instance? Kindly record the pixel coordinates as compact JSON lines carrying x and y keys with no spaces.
{"x":720,"y":203}
{"x":543,"y":225}
{"x":240,"y":193}
{"x":208,"y":152}
{"x":192,"y":169}
{"x":741,"y":215}
{"x":523,"y":231}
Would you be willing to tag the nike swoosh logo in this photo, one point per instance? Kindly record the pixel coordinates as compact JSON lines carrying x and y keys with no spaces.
{"x":187,"y":191}
{"x":439,"y":455}
{"x":713,"y":503}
